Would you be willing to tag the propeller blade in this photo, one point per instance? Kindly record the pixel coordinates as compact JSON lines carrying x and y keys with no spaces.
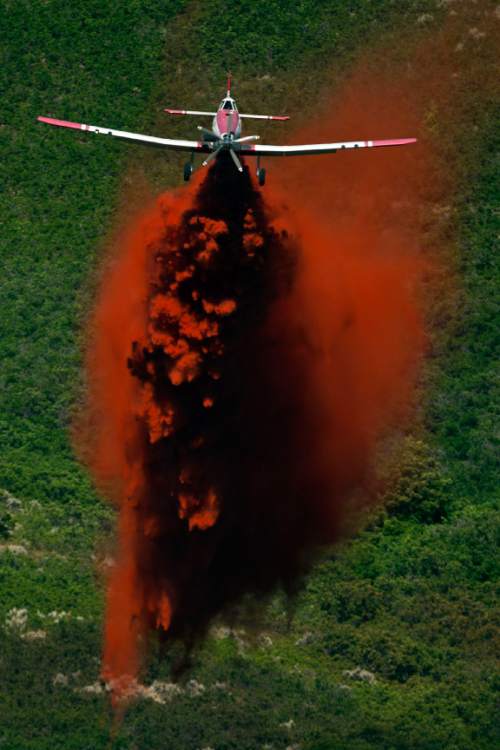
{"x":247,"y":138}
{"x":208,"y":135}
{"x":212,"y":156}
{"x":236,"y":160}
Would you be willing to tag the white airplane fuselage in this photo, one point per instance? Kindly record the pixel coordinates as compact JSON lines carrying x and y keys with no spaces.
{"x":227,"y":122}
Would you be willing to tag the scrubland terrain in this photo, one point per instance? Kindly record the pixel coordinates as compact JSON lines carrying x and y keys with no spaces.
{"x":391,"y":643}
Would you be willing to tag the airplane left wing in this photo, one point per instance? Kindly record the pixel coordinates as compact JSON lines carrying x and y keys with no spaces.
{"x":147,"y":140}
{"x":319,"y":148}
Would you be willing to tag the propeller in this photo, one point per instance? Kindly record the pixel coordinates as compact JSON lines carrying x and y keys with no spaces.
{"x":224,"y":144}
{"x":236,"y":160}
{"x":212,"y":156}
{"x":247,"y":138}
{"x":208,"y":135}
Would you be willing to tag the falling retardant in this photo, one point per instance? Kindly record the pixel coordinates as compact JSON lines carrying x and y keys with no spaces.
{"x":243,"y":358}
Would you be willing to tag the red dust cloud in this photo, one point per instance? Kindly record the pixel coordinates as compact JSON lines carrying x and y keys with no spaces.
{"x":247,"y":352}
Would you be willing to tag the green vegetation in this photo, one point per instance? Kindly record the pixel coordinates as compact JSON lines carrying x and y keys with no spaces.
{"x":393,"y":639}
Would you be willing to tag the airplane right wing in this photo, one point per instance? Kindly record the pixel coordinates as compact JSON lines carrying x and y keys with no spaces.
{"x":147,"y":140}
{"x":319,"y":148}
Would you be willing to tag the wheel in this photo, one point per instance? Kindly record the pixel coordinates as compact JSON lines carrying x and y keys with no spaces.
{"x":261,"y":176}
{"x":188,"y":171}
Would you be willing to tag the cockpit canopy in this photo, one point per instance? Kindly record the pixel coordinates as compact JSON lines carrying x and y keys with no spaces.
{"x":228,"y":103}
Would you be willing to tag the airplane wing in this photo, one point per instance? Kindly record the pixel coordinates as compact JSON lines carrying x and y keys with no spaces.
{"x":147,"y":140}
{"x":319,"y":148}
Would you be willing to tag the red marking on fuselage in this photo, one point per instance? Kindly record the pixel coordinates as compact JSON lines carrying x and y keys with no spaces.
{"x":227,"y":121}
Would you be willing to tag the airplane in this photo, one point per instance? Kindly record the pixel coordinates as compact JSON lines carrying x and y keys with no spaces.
{"x":225,"y":135}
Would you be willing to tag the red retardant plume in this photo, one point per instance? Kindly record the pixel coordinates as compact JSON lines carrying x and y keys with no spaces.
{"x":245,"y":355}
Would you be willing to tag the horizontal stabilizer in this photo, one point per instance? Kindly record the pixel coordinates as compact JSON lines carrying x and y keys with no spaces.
{"x":266,"y":117}
{"x":189,"y":112}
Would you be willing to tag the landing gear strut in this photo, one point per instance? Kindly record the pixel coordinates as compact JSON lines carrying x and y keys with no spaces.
{"x":188,"y":169}
{"x":261,"y":173}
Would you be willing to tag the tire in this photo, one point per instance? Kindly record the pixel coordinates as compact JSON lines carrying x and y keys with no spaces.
{"x":261,"y":176}
{"x":188,"y":171}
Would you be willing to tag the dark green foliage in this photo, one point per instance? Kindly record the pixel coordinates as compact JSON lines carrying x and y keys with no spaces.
{"x":419,"y":486}
{"x":465,"y":406}
{"x":410,"y":601}
{"x":274,"y":34}
{"x":5,"y":525}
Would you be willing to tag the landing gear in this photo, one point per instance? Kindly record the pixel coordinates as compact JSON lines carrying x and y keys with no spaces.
{"x":189,"y":168}
{"x":261,"y":173}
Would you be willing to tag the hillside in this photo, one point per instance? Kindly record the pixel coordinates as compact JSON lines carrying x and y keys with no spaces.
{"x":391,"y":643}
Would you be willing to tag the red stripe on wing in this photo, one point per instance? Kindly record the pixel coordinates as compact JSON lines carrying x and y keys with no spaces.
{"x":62,"y":123}
{"x":395,"y":142}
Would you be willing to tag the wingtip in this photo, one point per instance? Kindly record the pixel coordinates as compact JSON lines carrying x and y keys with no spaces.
{"x":394,"y":142}
{"x":62,"y":123}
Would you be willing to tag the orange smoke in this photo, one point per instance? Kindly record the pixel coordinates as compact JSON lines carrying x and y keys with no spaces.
{"x":357,"y":216}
